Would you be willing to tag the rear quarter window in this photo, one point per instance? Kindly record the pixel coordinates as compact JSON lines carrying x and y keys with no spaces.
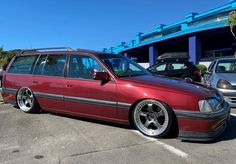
{"x":23,"y":65}
{"x":161,"y":67}
{"x":179,"y":66}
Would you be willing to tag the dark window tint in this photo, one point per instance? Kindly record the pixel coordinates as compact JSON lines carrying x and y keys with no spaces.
{"x":83,"y":67}
{"x":23,"y":65}
{"x":161,"y":67}
{"x":177,"y":66}
{"x":40,"y":64}
{"x":54,"y":65}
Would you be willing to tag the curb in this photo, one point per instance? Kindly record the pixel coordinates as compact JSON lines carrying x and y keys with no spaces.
{"x":1,"y":101}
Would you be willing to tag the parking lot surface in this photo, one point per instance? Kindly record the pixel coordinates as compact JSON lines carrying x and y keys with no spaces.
{"x":53,"y":138}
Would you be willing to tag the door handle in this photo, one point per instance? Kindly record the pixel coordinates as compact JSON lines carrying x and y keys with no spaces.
{"x":68,"y":86}
{"x":35,"y":82}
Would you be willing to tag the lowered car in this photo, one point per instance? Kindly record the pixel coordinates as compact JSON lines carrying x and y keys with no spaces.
{"x":221,"y":74}
{"x":110,"y":87}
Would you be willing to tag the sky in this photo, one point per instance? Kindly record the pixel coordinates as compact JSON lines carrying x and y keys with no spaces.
{"x":88,"y":24}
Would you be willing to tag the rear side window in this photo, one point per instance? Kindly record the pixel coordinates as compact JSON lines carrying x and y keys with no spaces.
{"x":178,"y":66}
{"x":23,"y":65}
{"x":54,"y":65}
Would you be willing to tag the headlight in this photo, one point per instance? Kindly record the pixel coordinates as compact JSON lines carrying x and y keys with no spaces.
{"x":223,"y":84}
{"x":210,"y":105}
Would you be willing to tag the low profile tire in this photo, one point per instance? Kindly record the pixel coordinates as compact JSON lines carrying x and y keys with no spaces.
{"x":152,"y":118}
{"x":26,"y":100}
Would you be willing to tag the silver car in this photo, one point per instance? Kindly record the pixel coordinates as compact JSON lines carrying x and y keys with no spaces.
{"x":221,"y":74}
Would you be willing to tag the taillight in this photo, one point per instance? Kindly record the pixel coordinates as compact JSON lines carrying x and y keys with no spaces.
{"x":197,"y":72}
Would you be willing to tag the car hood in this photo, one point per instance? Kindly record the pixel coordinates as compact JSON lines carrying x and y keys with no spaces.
{"x":230,"y":77}
{"x":172,"y":85}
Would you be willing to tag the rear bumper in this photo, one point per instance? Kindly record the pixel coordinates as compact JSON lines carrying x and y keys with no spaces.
{"x":196,"y":126}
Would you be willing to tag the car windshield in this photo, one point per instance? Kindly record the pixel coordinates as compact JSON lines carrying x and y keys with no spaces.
{"x":226,"y":66}
{"x":122,"y":66}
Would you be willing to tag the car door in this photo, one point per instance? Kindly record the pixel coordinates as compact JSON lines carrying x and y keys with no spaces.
{"x":86,"y":96}
{"x":49,"y":82}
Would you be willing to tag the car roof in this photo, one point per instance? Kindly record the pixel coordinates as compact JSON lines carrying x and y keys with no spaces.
{"x":224,"y":59}
{"x":173,"y":56}
{"x":62,"y":51}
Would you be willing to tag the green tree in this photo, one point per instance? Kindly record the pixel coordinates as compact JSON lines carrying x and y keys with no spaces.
{"x":5,"y":55}
{"x":232,"y":22}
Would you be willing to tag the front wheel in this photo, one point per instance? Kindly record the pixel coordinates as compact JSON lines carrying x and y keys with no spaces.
{"x":26,"y":100}
{"x":152,"y":118}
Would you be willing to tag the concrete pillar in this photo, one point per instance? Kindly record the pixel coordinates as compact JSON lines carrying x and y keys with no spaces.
{"x":153,"y":54}
{"x":194,"y":49}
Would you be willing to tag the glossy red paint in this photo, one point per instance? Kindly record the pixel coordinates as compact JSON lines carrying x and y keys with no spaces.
{"x":198,"y":125}
{"x":119,"y":95}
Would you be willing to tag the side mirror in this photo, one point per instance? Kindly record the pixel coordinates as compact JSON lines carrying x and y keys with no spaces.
{"x":208,"y":73}
{"x":103,"y":76}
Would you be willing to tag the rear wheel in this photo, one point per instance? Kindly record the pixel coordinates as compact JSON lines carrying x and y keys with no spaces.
{"x":152,"y":118}
{"x":26,"y":100}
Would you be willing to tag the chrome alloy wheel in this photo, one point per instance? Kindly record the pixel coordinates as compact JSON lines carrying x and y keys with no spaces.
{"x":152,"y":118}
{"x":25,"y":99}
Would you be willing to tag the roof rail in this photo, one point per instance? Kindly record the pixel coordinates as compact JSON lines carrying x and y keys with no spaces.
{"x":87,"y":50}
{"x":47,"y":49}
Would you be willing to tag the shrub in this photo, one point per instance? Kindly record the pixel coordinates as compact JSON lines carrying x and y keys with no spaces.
{"x":203,"y":68}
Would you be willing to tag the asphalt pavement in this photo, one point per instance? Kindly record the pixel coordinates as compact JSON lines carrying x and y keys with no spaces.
{"x":51,"y":138}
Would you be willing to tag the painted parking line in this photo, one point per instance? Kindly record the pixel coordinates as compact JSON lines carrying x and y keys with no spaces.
{"x":169,"y":148}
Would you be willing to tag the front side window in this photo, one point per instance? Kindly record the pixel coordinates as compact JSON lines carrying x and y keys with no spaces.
{"x":83,"y":67}
{"x":54,"y":65}
{"x":122,"y":66}
{"x":226,"y":66}
{"x":23,"y":65}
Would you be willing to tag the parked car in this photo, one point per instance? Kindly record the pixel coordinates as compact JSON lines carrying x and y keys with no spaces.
{"x":221,"y":74}
{"x":111,"y":87}
{"x":176,"y":65}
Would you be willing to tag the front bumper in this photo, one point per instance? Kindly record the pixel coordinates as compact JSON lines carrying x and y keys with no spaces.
{"x":197,"y":126}
{"x":229,"y":96}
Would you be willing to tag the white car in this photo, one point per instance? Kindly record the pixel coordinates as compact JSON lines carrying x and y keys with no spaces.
{"x":221,"y":74}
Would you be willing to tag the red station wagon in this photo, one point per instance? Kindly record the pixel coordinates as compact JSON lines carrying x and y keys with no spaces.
{"x":112,"y":88}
